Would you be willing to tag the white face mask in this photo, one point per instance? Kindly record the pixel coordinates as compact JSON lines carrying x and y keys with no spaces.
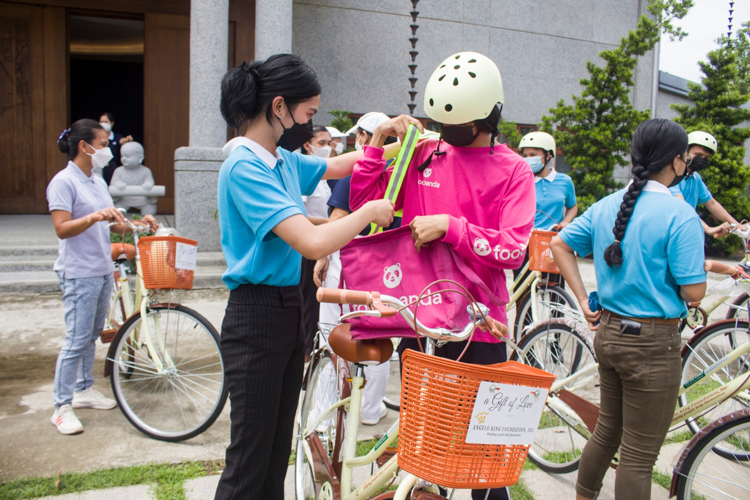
{"x":100,"y":157}
{"x":339,"y":148}
{"x":323,"y":152}
{"x":106,"y":126}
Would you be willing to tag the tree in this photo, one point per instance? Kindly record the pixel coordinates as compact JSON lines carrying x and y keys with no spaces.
{"x":716,"y":109}
{"x":742,"y":48}
{"x":595,"y":131}
{"x":341,"y":120}
{"x":509,"y":134}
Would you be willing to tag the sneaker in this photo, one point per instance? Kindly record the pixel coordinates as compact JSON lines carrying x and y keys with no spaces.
{"x":92,"y":398}
{"x":381,"y":414}
{"x":66,"y":421}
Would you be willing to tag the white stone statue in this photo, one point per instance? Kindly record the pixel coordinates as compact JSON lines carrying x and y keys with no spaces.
{"x":133,"y":173}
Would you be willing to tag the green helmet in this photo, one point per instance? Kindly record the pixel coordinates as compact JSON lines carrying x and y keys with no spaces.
{"x":465,"y":87}
{"x":703,"y":139}
{"x":540,"y":140}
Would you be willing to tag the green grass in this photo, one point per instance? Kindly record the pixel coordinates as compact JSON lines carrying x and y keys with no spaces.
{"x":661,"y":479}
{"x":519,"y":492}
{"x":679,"y":437}
{"x":166,"y":480}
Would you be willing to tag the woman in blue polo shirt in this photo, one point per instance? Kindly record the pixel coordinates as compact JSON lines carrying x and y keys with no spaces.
{"x":264,"y":234}
{"x":648,"y":256}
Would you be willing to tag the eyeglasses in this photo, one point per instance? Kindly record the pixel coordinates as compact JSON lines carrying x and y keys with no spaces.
{"x":688,"y":159}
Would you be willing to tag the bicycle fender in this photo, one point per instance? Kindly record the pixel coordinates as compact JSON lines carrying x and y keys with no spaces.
{"x":703,"y":331}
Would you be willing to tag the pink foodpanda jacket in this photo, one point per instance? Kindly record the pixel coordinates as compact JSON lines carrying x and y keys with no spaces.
{"x":489,"y":198}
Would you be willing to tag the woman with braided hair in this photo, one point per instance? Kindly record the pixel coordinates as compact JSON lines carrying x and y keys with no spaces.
{"x":648,"y":256}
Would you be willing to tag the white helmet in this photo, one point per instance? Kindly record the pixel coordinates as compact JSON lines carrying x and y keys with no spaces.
{"x":466,"y":87}
{"x":541,"y":140}
{"x":703,"y":139}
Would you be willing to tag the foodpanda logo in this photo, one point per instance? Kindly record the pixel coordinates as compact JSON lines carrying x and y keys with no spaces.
{"x":427,"y":172}
{"x":428,"y":183}
{"x":505,"y":254}
{"x":482,"y":247}
{"x":392,"y":276}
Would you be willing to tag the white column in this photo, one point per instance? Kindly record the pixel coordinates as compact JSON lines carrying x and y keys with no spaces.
{"x":273,"y":28}
{"x":209,"y":34}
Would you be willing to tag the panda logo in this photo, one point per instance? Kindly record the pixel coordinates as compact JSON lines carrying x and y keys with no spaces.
{"x":482,"y":247}
{"x":392,"y":276}
{"x":427,"y":172}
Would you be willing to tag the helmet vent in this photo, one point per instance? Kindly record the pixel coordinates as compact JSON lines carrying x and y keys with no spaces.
{"x":443,"y":66}
{"x":472,"y":60}
{"x":432,"y":103}
{"x":441,"y":78}
{"x":456,"y":66}
{"x":448,"y":108}
{"x":473,"y":75}
{"x":455,"y":82}
{"x":459,"y":55}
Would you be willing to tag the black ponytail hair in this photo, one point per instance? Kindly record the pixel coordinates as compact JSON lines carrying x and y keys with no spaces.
{"x":655,"y":145}
{"x":248,"y":89}
{"x":82,"y":130}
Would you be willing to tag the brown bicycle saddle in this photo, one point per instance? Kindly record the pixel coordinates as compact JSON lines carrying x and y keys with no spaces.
{"x":365,"y":352}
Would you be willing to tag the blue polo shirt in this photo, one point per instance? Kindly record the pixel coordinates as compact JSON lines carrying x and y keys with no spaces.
{"x":257,"y":190}
{"x":693,"y":189}
{"x":662,"y":248}
{"x":554,"y":194}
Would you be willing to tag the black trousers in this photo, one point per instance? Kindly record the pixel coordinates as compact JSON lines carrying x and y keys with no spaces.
{"x":264,"y":351}
{"x":310,"y":305}
{"x":478,"y":353}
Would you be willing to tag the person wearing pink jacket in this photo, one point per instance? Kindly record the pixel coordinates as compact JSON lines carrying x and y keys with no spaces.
{"x":461,"y":189}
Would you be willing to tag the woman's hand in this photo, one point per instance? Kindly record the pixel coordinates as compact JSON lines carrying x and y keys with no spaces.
{"x":149,"y":221}
{"x":591,"y":317}
{"x":320,"y":271}
{"x":559,"y":226}
{"x":720,"y":231}
{"x":126,"y":139}
{"x":427,"y":228}
{"x":394,"y":127}
{"x":381,"y":212}
{"x":497,"y":329}
{"x":109,"y":214}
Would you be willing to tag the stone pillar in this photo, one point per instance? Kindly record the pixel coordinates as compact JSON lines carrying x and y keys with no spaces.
{"x":273,"y":27}
{"x":209,"y":34}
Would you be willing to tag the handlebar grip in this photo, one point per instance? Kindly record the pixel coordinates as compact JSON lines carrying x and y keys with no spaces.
{"x":720,"y":268}
{"x":337,"y":296}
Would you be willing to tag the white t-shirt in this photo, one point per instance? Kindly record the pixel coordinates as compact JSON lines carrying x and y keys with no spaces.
{"x":316,"y":205}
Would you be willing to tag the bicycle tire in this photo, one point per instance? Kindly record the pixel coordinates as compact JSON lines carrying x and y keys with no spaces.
{"x":739,"y":301}
{"x":559,"y":349}
{"x":703,"y":350}
{"x":321,"y":392}
{"x":699,"y":457}
{"x":524,"y":318}
{"x":137,"y":392}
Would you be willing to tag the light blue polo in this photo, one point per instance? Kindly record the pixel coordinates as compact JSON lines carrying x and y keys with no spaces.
{"x":554,"y":194}
{"x":662,"y":248}
{"x":257,"y":190}
{"x":693,"y":189}
{"x":88,"y":254}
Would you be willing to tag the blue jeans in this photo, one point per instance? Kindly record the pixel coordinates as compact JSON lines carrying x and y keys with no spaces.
{"x":86,"y":302}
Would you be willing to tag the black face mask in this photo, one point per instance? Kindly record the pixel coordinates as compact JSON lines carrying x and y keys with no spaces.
{"x":678,"y":178}
{"x":296,"y":135}
{"x":457,"y":136}
{"x":698,"y":164}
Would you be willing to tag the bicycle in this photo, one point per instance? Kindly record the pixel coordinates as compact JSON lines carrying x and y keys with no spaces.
{"x":330,"y":411}
{"x":697,"y":316}
{"x":165,"y":363}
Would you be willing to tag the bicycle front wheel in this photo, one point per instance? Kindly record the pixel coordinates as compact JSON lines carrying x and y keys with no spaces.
{"x":707,"y":475}
{"x":181,"y":398}
{"x":557,"y":348}
{"x":709,"y":346}
{"x":321,"y":393}
{"x":545,"y":297}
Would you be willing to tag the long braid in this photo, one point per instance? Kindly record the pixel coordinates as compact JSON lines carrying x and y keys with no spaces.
{"x":613,"y":253}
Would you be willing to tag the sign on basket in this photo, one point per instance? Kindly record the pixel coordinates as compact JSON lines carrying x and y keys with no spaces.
{"x":506,"y":414}
{"x":187,"y":256}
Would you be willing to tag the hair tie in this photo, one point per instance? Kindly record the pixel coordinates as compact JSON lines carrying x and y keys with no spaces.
{"x":617,"y":241}
{"x":64,"y":133}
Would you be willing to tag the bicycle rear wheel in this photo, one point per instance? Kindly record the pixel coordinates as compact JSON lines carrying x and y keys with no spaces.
{"x":707,"y":475}
{"x":559,"y":349}
{"x":709,"y":346}
{"x":184,"y":398}
{"x":321,"y":393}
{"x":544,"y":297}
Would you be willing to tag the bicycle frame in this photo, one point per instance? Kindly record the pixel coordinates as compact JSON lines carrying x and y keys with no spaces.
{"x":519,"y":288}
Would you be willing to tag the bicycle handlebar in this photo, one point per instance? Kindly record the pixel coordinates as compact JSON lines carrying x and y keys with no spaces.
{"x":375,"y":301}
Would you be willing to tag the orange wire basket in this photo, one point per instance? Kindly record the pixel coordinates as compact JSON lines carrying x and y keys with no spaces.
{"x":540,"y":254}
{"x":161,"y":267}
{"x":437,"y":401}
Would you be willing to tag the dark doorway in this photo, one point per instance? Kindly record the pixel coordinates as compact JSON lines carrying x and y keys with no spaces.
{"x":106,"y":71}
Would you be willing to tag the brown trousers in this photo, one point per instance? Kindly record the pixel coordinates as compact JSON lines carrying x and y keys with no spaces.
{"x":640,"y":379}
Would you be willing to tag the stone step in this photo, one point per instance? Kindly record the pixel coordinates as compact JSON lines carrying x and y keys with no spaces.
{"x":11,"y":251}
{"x":46,"y":281}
